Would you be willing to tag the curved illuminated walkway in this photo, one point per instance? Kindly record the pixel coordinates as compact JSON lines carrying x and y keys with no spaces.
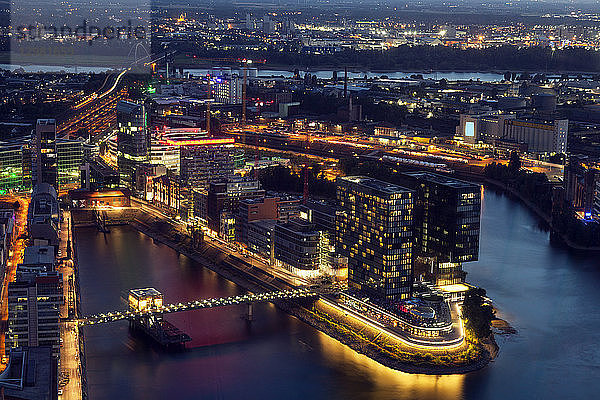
{"x":198,"y":304}
{"x":103,"y":318}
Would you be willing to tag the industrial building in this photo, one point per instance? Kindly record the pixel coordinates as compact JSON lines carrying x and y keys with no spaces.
{"x":506,"y":131}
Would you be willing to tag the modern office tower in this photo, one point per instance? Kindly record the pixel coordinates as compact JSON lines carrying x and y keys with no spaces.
{"x":43,"y":215}
{"x":581,"y":185}
{"x":7,"y":231}
{"x":16,"y":164}
{"x":296,"y":247}
{"x":211,"y":160}
{"x":271,"y":207}
{"x":446,"y":213}
{"x":324,"y":214}
{"x":133,"y":140}
{"x":44,"y":155}
{"x":33,"y":311}
{"x":69,"y":156}
{"x":11,"y":167}
{"x":250,"y":210}
{"x":165,"y":154}
{"x":260,"y":238}
{"x":374,"y":230}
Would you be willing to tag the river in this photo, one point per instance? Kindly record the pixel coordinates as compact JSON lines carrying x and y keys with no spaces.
{"x":396,"y":75}
{"x":322,"y":74}
{"x":549,"y":295}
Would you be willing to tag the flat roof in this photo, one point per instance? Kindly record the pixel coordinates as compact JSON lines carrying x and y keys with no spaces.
{"x":38,"y":255}
{"x":441,"y":179}
{"x":376,"y":184}
{"x":145,"y":292}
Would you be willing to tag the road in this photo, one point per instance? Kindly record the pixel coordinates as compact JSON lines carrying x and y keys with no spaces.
{"x":69,"y":367}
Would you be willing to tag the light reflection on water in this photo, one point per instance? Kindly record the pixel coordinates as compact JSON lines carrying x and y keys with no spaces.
{"x":548,"y":294}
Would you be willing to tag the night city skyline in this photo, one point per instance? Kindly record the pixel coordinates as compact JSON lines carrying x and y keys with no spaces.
{"x":322,"y":199}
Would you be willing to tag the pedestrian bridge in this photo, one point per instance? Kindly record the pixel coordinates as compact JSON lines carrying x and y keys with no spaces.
{"x":147,"y":302}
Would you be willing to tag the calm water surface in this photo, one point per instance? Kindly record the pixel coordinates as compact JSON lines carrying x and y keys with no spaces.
{"x":550,"y":295}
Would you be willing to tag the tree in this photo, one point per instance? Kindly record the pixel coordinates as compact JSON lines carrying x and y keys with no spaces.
{"x":507,"y":76}
{"x":514,"y":164}
{"x":478,"y":312}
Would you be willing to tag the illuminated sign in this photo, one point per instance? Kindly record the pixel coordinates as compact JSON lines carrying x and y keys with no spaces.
{"x":470,"y":128}
{"x":199,"y":142}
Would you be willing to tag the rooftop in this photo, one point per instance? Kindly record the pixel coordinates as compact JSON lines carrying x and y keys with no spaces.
{"x":441,"y":179}
{"x":38,"y":255}
{"x":145,"y":292}
{"x":371,"y":183}
{"x":29,"y":374}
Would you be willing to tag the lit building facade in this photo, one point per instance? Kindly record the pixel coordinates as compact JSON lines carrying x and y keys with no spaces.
{"x":538,"y":136}
{"x":33,"y":311}
{"x":206,"y":161}
{"x":44,"y":159}
{"x":374,"y":230}
{"x":222,"y":203}
{"x":11,"y":168}
{"x":297,"y":247}
{"x":447,"y":222}
{"x":228,"y":90}
{"x":69,"y":156}
{"x":133,"y":140}
{"x":582,"y":190}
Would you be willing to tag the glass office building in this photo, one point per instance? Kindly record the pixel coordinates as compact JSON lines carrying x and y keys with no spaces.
{"x":133,"y":140}
{"x":374,"y":231}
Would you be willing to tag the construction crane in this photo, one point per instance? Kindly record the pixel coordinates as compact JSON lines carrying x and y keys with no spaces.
{"x":208,"y":101}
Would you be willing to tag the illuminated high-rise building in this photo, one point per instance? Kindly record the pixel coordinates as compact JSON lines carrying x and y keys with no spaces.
{"x":133,"y":140}
{"x":44,"y":157}
{"x":69,"y":158}
{"x":374,"y":230}
{"x":447,"y":212}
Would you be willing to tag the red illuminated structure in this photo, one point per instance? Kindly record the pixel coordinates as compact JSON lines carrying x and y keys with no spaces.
{"x":198,"y":142}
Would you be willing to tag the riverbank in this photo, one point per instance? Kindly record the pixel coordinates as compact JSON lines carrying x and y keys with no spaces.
{"x":547,"y":219}
{"x":376,"y":345}
{"x":373,"y":343}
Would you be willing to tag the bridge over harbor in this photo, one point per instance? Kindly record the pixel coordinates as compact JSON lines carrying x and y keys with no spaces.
{"x":144,"y":303}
